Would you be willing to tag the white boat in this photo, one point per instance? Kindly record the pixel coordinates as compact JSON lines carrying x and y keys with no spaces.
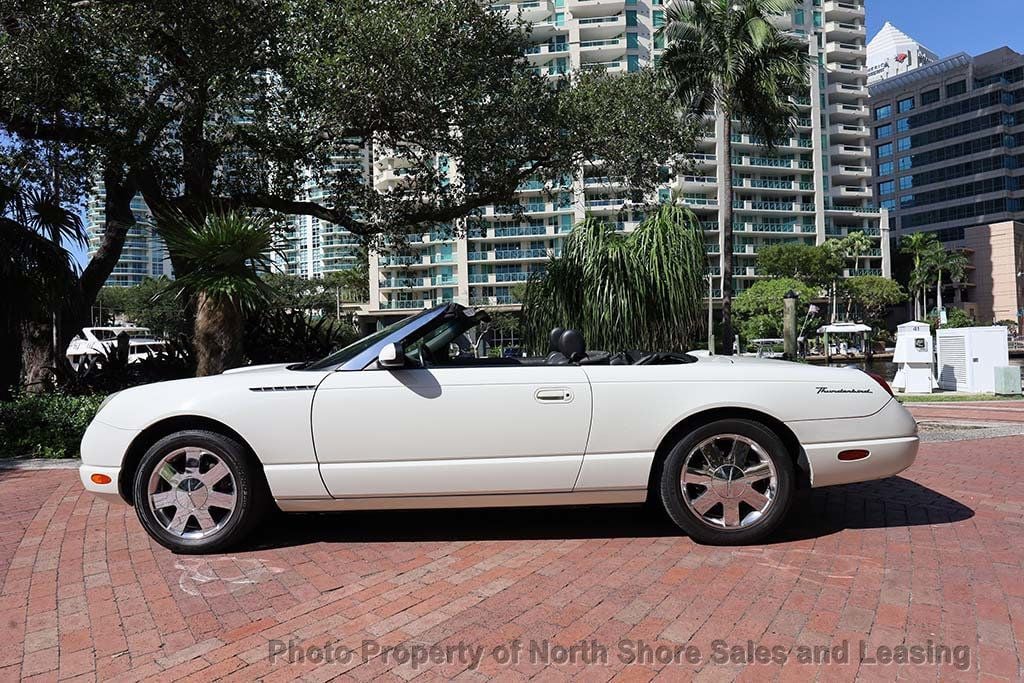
{"x":766,"y":348}
{"x":97,"y":343}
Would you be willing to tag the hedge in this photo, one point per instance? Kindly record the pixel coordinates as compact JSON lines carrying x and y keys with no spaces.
{"x":45,"y":425}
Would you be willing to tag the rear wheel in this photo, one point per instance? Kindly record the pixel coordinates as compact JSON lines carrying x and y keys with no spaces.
{"x":730,"y":482}
{"x":197,"y":492}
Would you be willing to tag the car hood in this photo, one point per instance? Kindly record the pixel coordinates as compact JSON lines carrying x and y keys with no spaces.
{"x":256,"y":368}
{"x":211,"y":396}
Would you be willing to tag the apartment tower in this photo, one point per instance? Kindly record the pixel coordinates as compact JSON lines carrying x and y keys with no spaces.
{"x":815,"y":186}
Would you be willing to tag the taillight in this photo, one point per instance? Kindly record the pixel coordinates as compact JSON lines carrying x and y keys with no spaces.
{"x":881,"y":382}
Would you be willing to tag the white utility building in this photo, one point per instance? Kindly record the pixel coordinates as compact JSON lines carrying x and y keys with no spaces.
{"x":914,"y":356}
{"x":969,"y":356}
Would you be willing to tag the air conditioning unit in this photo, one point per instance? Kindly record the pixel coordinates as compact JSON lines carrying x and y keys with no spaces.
{"x":968,"y":357}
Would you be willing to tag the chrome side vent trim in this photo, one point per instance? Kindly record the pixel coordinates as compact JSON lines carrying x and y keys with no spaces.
{"x":291,"y":387}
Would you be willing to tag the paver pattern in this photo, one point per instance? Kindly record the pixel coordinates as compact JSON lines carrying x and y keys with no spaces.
{"x":935,"y":556}
{"x":986,"y":411}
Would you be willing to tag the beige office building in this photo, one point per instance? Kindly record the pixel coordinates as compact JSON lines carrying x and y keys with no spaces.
{"x":997,"y":277}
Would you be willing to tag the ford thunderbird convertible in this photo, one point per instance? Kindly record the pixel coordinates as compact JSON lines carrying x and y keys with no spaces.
{"x":409,"y":417}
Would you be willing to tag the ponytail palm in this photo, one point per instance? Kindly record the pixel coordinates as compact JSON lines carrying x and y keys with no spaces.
{"x":727,"y":57}
{"x":222,"y":258}
{"x":641,"y":290}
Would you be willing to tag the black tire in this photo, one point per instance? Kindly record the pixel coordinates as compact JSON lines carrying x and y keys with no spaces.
{"x":251,"y":497}
{"x":694,"y":524}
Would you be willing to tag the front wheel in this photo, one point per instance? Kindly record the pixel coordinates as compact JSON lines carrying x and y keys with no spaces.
{"x":730,"y":482}
{"x":197,"y":492}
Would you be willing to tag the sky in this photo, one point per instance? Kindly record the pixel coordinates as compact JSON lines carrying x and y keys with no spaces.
{"x":78,"y":251}
{"x":944,"y":26}
{"x":951,"y":26}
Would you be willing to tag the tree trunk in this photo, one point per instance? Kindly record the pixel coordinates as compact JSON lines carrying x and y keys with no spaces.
{"x":725,"y":164}
{"x":37,"y":360}
{"x":938,"y":295}
{"x":119,"y":219}
{"x":218,"y":335}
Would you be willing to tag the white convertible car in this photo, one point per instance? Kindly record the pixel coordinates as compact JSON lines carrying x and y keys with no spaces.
{"x":404,"y":419}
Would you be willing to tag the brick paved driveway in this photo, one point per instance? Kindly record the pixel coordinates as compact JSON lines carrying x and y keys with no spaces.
{"x":935,"y":556}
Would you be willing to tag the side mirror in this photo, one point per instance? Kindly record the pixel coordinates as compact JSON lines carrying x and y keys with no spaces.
{"x":391,"y":357}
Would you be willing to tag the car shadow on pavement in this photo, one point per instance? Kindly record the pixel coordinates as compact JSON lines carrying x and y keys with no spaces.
{"x":893,"y":502}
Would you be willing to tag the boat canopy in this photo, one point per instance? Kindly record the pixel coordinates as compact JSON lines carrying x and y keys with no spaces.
{"x":844,"y":328}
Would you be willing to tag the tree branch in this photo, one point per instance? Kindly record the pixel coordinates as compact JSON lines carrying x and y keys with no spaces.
{"x":119,"y":219}
{"x":28,"y":128}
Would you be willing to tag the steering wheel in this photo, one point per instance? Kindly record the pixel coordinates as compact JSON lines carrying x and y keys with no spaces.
{"x":422,"y":355}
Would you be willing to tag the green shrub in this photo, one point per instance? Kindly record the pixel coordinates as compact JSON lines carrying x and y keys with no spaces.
{"x":45,"y":425}
{"x":282,"y":336}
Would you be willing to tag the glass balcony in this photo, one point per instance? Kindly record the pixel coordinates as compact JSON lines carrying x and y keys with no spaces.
{"x":396,"y":283}
{"x":511,"y":254}
{"x":521,"y":231}
{"x":590,"y":21}
{"x":512,"y":277}
{"x":402,"y":305}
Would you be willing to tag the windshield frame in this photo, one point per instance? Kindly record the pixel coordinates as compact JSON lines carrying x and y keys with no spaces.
{"x":370,"y":345}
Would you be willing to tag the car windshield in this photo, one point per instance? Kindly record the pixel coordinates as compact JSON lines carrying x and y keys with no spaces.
{"x":440,"y":340}
{"x":352,"y":350}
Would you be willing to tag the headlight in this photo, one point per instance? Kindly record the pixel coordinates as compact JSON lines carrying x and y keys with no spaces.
{"x":106,"y":401}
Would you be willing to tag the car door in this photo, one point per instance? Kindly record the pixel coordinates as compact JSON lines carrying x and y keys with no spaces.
{"x":451,"y":431}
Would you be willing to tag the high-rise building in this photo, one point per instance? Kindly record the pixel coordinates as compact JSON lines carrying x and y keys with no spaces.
{"x":314,"y":247}
{"x":892,"y":52}
{"x":311,"y":247}
{"x":948,"y":145}
{"x":144,"y":254}
{"x":815,"y":186}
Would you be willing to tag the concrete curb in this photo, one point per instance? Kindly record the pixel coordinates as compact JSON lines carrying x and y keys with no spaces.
{"x":39,"y":463}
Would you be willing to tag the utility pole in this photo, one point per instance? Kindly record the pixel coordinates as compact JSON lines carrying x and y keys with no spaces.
{"x":789,"y":324}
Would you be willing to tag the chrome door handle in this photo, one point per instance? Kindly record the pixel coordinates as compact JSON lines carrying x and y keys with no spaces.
{"x":558,"y":395}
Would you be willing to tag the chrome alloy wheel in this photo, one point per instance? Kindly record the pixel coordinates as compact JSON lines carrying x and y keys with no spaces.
{"x":192,"y":493}
{"x":729,"y":481}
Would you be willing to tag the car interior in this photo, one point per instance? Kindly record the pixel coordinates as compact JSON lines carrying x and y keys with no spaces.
{"x":448,"y":346}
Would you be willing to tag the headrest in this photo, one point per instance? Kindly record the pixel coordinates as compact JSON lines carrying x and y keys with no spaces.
{"x":554,"y":339}
{"x":572,"y":346}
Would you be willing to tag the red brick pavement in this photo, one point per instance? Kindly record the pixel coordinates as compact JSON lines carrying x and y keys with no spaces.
{"x":935,"y":556}
{"x":985,"y":411}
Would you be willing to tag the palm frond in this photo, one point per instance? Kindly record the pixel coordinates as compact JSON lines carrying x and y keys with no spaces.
{"x":221,"y":256}
{"x":638,"y":290}
{"x":44,"y":213}
{"x":35,"y":271}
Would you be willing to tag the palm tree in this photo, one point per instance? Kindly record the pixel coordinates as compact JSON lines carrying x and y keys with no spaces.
{"x":836,"y":249}
{"x":918,"y":245}
{"x":36,"y":265}
{"x":727,"y":57}
{"x":952,"y":262}
{"x":855,"y":244}
{"x":36,"y":273}
{"x":641,"y":290}
{"x":221,"y":258}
